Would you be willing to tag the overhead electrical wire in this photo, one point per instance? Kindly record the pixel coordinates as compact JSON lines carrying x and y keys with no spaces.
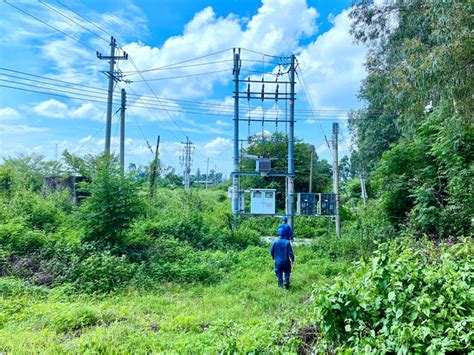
{"x":82,"y":17}
{"x":310,"y":102}
{"x":51,"y":26}
{"x":184,"y":76}
{"x":170,"y":66}
{"x":141,"y":103}
{"x":99,"y":91}
{"x":70,"y":19}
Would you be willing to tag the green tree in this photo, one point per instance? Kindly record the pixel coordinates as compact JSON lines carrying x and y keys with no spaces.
{"x":29,"y":170}
{"x":112,"y":206}
{"x":415,"y":135}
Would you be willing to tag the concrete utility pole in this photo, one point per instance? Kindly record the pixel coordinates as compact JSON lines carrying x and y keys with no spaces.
{"x":154,"y":168}
{"x":362,"y":188}
{"x":186,"y":163}
{"x":122,"y":129}
{"x":235,"y":172}
{"x":207,"y":171}
{"x":112,"y":78}
{"x":335,"y":167}
{"x":291,"y":162}
{"x":311,"y":170}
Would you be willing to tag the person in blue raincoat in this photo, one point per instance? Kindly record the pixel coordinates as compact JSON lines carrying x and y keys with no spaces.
{"x":287,"y":231}
{"x":282,"y":253}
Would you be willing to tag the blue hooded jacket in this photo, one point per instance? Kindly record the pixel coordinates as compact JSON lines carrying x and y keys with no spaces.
{"x":287,"y":232}
{"x":282,"y":252}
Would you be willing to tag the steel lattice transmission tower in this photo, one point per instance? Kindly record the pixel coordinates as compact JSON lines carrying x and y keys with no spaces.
{"x":186,"y":162}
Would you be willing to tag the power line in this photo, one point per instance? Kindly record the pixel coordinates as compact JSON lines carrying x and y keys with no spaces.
{"x":154,"y":94}
{"x":82,"y":17}
{"x":91,"y":137}
{"x":310,"y":101}
{"x":184,"y":76}
{"x":73,"y":95}
{"x":47,"y":78}
{"x":70,"y":19}
{"x":266,"y":55}
{"x":149,"y":109}
{"x":216,"y":107}
{"x":140,"y":128}
{"x":171,"y":66}
{"x":47,"y":24}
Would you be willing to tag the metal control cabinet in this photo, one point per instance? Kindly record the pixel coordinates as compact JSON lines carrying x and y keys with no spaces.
{"x":263,"y":165}
{"x":306,"y":204}
{"x":327,"y":204}
{"x":262,"y":201}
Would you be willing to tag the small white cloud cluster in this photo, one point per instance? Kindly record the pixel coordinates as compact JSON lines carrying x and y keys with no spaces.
{"x":8,"y":113}
{"x":58,"y":110}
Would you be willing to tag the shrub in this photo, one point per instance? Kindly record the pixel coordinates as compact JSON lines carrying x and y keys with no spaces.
{"x":37,"y":212}
{"x":243,"y":237}
{"x":405,"y":299}
{"x":179,"y":262}
{"x":112,"y":206}
{"x":102,"y":272}
{"x":17,"y":239}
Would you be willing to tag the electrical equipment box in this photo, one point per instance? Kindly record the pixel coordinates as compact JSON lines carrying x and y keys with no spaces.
{"x":327,"y":204}
{"x":306,"y":204}
{"x":263,"y":165}
{"x":262,"y":201}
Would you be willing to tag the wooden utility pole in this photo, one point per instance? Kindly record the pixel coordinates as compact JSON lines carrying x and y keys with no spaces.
{"x":335,"y":167}
{"x":154,"y":168}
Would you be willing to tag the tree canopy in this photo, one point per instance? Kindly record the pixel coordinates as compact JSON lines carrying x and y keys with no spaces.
{"x":415,"y":135}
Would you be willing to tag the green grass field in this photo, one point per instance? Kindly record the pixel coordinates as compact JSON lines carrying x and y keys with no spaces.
{"x":245,"y":313}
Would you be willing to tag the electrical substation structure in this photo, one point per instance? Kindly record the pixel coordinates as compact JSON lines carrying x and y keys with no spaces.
{"x":263,"y":164}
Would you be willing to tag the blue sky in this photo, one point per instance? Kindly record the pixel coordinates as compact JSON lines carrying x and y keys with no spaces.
{"x":160,"y":33}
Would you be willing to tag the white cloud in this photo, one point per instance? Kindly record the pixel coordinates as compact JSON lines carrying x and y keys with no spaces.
{"x":58,"y":110}
{"x":51,"y":108}
{"x":20,"y":129}
{"x":8,"y":113}
{"x":276,"y":28}
{"x":88,"y":111}
{"x":218,"y":146}
{"x":222,"y":123}
{"x":333,"y":66}
{"x":279,"y":25}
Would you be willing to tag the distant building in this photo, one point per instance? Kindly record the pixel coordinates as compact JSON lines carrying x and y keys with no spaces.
{"x":60,"y":183}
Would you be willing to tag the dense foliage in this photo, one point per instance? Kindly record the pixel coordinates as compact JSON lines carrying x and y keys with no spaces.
{"x":406,"y":298}
{"x":415,"y":136}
